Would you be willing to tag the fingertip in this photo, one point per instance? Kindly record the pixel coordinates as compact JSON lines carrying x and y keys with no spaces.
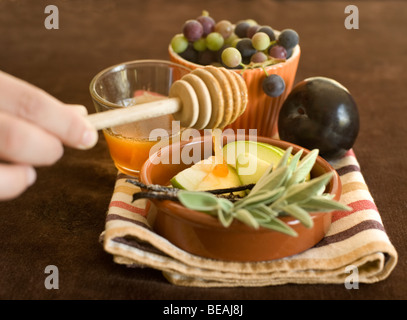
{"x":31,"y":176}
{"x":15,"y":179}
{"x":80,"y":109}
{"x":89,"y":139}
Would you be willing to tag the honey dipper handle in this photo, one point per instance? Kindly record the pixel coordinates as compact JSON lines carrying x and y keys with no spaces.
{"x":116,"y":117}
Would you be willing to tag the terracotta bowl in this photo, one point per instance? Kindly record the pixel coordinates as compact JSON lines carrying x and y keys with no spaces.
{"x":203,"y":235}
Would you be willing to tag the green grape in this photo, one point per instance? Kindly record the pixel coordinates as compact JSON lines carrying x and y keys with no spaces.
{"x":260,"y":41}
{"x":200,"y":44}
{"x":179,"y":43}
{"x":251,"y":22}
{"x":231,"y":39}
{"x":231,"y":57}
{"x":214,"y":41}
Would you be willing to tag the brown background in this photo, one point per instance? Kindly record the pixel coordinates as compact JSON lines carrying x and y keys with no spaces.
{"x":59,"y":219}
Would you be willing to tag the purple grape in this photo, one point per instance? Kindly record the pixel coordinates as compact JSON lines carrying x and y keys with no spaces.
{"x":192,"y":30}
{"x":251,"y":31}
{"x":246,"y":49}
{"x":273,"y":85}
{"x":241,"y":29}
{"x":278,"y":52}
{"x":288,"y":38}
{"x":208,"y":24}
{"x":269,"y":31}
{"x":190,"y":54}
{"x":206,"y":57}
{"x":289,"y":52}
{"x":258,"y":57}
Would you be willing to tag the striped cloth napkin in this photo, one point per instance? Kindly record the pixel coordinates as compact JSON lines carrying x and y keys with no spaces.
{"x":355,"y":248}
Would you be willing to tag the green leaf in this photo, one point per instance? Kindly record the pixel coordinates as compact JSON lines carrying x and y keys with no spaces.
{"x":266,"y":210}
{"x":323,"y":203}
{"x":305,"y":190}
{"x":280,"y":226}
{"x":268,"y":170}
{"x":294,"y":160}
{"x":284,"y":159}
{"x":274,"y":180}
{"x":245,"y":216}
{"x":225,"y":217}
{"x":300,"y":214}
{"x":260,"y":215}
{"x":200,"y":201}
{"x":262,"y":196}
{"x":225,"y":204}
{"x":304,"y":168}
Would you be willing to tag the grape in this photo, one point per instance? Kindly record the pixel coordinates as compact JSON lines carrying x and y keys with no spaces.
{"x":179,"y":43}
{"x":246,"y":49}
{"x":220,"y":51}
{"x":207,"y":23}
{"x":200,"y":44}
{"x":225,"y":28}
{"x":192,"y":30}
{"x":241,"y":29}
{"x":251,"y":22}
{"x":269,"y":31}
{"x":252,"y":30}
{"x":231,"y":57}
{"x":260,"y":41}
{"x":289,"y":53}
{"x":205,"y":41}
{"x":278,"y":52}
{"x":273,"y":85}
{"x":288,"y":38}
{"x":231,"y":40}
{"x":190,"y":54}
{"x":258,"y":57}
{"x":206,"y":57}
{"x":214,"y":41}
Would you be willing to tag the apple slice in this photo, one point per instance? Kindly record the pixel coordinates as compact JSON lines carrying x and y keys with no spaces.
{"x":262,"y":151}
{"x":205,"y":175}
{"x":190,"y":178}
{"x":250,"y":168}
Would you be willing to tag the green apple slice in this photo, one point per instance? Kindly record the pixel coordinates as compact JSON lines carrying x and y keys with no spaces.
{"x":201,"y":177}
{"x":250,"y":168}
{"x":190,"y":178}
{"x":262,"y":151}
{"x":212,"y":181}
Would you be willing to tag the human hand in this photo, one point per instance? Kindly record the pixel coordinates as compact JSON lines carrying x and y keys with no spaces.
{"x":34,"y":126}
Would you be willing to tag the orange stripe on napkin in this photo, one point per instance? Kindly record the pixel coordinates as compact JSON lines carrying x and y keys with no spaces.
{"x":356,"y":206}
{"x":128,"y":207}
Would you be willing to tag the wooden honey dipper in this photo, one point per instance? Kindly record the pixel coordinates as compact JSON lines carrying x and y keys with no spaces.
{"x":207,"y":98}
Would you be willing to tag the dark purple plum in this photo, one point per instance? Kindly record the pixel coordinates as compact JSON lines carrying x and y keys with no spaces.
{"x":320,"y":113}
